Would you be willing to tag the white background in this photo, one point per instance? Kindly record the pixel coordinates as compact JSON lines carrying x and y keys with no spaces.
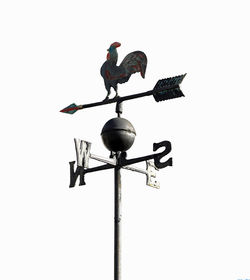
{"x":197,"y":225}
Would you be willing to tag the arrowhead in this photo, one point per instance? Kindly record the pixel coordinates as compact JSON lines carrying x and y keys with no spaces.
{"x":71,"y":109}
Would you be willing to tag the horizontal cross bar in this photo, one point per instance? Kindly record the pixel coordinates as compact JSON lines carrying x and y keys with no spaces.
{"x":114,"y":162}
{"x":149,"y":171}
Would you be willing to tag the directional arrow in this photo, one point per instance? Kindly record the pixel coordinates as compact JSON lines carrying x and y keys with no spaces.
{"x":164,"y":89}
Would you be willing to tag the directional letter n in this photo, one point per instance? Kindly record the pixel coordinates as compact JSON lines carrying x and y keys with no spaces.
{"x":74,"y":175}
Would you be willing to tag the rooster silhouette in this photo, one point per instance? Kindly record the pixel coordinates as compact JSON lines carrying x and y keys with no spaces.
{"x":112,"y":74}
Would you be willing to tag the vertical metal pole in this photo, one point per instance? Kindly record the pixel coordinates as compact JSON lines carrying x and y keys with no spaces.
{"x":117,"y":223}
{"x":118,"y":213}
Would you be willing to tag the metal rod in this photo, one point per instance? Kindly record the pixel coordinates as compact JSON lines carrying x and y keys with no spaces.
{"x":118,"y":109}
{"x":113,"y":162}
{"x":117,"y":223}
{"x":103,"y":159}
{"x":136,"y":169}
{"x":116,"y":99}
{"x":98,"y":168}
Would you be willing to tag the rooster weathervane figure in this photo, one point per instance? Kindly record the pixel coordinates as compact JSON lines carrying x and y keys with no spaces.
{"x":112,"y":74}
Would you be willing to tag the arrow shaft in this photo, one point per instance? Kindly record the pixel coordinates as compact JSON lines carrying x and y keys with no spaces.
{"x":118,"y":99}
{"x":128,"y":97}
{"x":160,"y":88}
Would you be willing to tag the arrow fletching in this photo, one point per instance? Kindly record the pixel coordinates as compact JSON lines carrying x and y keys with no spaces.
{"x":71,"y":109}
{"x":168,"y":88}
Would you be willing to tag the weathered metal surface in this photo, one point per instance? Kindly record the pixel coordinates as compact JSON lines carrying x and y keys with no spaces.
{"x":74,"y":175}
{"x":118,"y":124}
{"x":122,"y":162}
{"x":172,"y":81}
{"x":117,"y":223}
{"x":151,"y":175}
{"x":157,"y":157}
{"x":150,"y":171}
{"x":117,"y":74}
{"x":82,"y":152}
{"x":119,"y":109}
{"x":80,"y":172}
{"x":118,"y":134}
{"x":71,"y":109}
{"x":165,"y":93}
{"x":103,"y":159}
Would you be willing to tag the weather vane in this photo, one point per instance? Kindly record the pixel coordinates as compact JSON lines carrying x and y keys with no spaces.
{"x":118,"y":134}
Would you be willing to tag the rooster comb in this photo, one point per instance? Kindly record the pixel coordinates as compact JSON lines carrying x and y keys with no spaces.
{"x":115,"y":44}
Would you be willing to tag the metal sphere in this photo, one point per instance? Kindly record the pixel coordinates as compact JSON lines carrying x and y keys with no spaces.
{"x":118,"y":135}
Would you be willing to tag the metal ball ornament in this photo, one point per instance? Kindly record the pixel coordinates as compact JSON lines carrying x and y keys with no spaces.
{"x":118,"y":135}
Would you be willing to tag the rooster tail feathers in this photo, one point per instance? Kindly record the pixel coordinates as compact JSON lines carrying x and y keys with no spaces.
{"x":142,"y":61}
{"x":135,"y":62}
{"x":143,"y":70}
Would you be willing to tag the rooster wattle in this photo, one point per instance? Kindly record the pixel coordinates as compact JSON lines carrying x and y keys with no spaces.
{"x":112,"y":74}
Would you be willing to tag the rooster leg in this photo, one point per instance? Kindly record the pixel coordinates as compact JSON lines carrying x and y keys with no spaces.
{"x":116,"y":92}
{"x":107,"y":97}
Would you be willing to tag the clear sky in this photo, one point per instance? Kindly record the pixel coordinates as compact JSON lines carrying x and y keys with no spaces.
{"x":196,"y":226}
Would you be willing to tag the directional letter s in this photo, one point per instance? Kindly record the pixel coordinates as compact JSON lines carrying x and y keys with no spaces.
{"x":159,"y":156}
